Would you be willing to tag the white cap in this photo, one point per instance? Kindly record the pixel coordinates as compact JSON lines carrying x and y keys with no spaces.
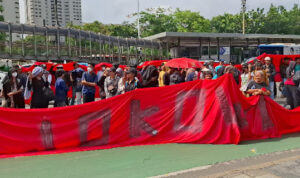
{"x":267,"y":59}
{"x":205,"y":70}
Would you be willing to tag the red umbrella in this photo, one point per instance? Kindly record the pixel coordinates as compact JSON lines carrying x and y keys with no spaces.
{"x":99,"y":66}
{"x":184,"y":63}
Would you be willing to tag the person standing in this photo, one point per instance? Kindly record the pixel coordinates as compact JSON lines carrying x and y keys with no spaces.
{"x":89,"y":82}
{"x":76,"y":77}
{"x":132,"y":82}
{"x":38,"y":86}
{"x":111,"y":84}
{"x":292,"y":85}
{"x":176,"y":77}
{"x":271,"y":72}
{"x":61,"y":89}
{"x":101,"y":82}
{"x":161,"y":76}
{"x":13,"y":90}
{"x":150,"y":77}
{"x":190,"y":75}
{"x":245,"y":77}
{"x":219,"y":69}
{"x":283,"y":68}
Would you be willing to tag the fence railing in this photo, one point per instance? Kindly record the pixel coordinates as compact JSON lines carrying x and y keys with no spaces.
{"x":26,"y":42}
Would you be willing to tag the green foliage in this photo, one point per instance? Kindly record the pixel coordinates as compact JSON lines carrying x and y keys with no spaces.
{"x":125,"y":30}
{"x":156,"y":21}
{"x":227,"y":23}
{"x":187,"y":21}
{"x":277,"y":20}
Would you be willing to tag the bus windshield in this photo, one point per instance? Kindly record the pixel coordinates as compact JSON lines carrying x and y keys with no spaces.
{"x":270,"y":49}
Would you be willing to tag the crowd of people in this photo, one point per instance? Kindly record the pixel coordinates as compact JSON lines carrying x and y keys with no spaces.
{"x":254,"y":79}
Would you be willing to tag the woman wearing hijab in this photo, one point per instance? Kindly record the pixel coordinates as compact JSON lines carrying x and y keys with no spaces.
{"x":150,"y":77}
{"x":13,"y":90}
{"x":38,"y":85}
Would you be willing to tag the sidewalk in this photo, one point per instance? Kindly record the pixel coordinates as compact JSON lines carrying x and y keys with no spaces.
{"x":281,"y":164}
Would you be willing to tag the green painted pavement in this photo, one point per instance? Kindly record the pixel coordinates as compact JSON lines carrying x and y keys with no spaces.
{"x":142,"y":161}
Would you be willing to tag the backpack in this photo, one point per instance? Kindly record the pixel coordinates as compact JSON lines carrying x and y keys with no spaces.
{"x":174,"y":79}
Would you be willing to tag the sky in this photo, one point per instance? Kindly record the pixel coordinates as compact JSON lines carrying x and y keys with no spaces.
{"x":116,"y":11}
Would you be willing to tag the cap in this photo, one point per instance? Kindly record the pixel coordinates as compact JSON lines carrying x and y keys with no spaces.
{"x":205,"y":70}
{"x":131,"y":70}
{"x":60,"y":66}
{"x":267,"y":59}
{"x":36,"y":71}
{"x":222,"y":60}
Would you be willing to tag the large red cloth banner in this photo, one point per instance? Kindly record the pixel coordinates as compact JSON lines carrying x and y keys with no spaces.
{"x":277,"y":60}
{"x":199,"y":112}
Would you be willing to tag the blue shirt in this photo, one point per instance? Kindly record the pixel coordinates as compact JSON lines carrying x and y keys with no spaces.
{"x":61,"y":90}
{"x":92,"y":78}
{"x":190,"y":77}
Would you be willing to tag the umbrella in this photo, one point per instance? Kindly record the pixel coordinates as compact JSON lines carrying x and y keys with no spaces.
{"x":155,"y":63}
{"x":99,"y":66}
{"x":184,"y":63}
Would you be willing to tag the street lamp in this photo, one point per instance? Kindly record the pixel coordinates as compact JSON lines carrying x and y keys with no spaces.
{"x":244,"y":8}
{"x":138,"y":20}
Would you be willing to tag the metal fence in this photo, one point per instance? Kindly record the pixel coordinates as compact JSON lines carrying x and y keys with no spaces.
{"x":25,"y":42}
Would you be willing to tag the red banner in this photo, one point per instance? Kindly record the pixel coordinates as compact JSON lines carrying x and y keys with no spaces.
{"x":199,"y":112}
{"x":277,"y":60}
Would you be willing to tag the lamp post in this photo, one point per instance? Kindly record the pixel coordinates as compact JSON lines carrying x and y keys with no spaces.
{"x":244,"y":8}
{"x":138,"y":20}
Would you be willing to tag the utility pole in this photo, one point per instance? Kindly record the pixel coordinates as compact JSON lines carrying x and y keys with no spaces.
{"x":244,"y":8}
{"x":138,"y":20}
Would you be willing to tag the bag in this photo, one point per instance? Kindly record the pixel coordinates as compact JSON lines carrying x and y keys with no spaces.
{"x":48,"y":93}
{"x":296,"y":77}
{"x":27,"y":92}
{"x":174,"y":79}
{"x":113,"y":87}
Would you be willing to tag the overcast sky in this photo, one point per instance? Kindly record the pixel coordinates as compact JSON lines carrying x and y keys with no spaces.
{"x":116,"y":11}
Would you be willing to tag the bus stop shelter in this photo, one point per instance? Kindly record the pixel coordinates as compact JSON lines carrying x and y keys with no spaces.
{"x":198,"y":45}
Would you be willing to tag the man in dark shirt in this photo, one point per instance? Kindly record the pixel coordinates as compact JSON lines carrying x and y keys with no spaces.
{"x":132,"y":83}
{"x":61,"y":89}
{"x":89,"y":82}
{"x":271,"y":72}
{"x":75,"y":77}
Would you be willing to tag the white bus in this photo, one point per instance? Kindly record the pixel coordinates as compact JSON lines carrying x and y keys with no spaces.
{"x":283,"y":49}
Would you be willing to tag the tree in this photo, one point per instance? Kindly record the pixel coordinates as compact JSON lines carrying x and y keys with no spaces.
{"x":125,"y":30}
{"x":277,"y":21}
{"x":156,"y":21}
{"x":227,"y":23}
{"x":294,"y":20}
{"x":187,"y":21}
{"x":255,"y":21}
{"x":96,"y":26}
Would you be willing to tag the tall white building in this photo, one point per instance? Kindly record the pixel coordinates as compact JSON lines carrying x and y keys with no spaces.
{"x":47,"y":13}
{"x":11,"y":11}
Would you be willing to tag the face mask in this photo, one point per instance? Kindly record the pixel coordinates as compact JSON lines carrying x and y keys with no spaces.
{"x":89,"y":69}
{"x":15,"y":74}
{"x":103,"y":68}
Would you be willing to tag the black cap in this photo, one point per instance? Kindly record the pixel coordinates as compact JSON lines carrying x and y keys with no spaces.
{"x":132,"y":70}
